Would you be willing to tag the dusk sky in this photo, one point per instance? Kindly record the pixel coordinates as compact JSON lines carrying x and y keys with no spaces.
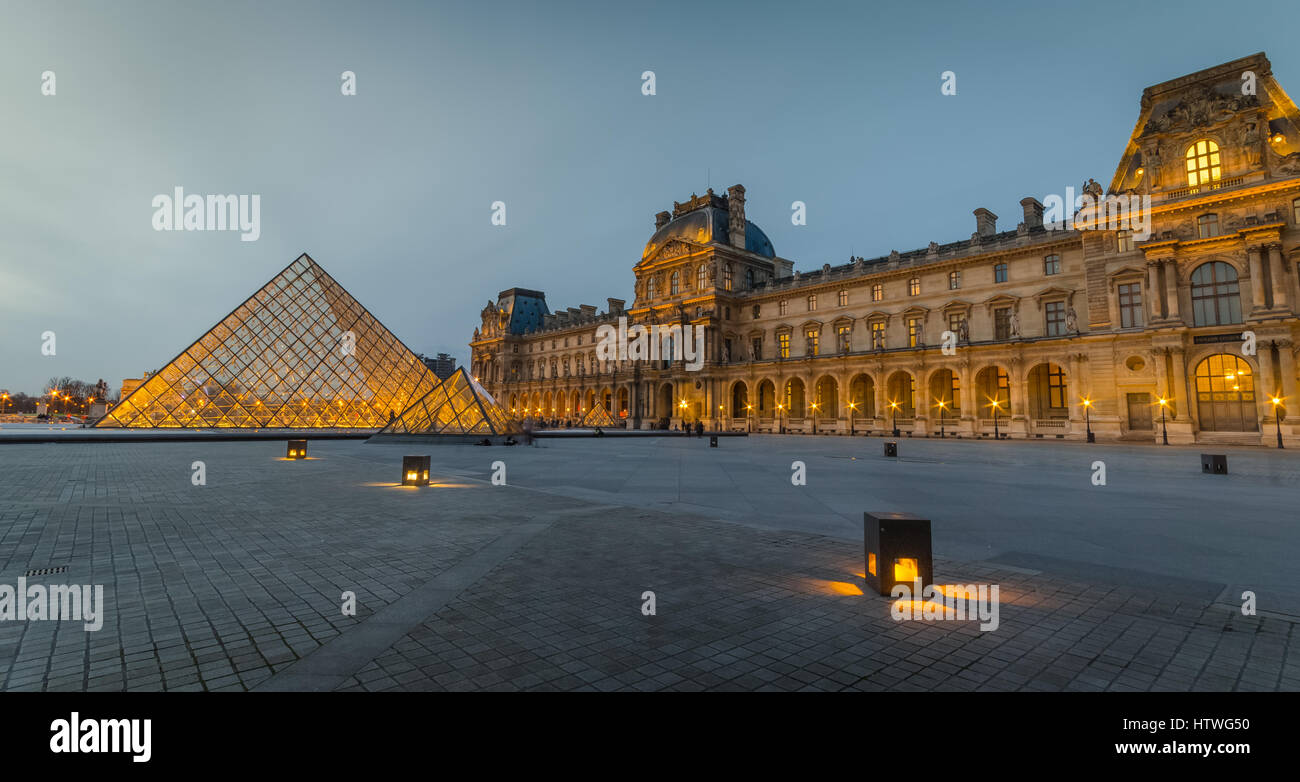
{"x":538,"y":105}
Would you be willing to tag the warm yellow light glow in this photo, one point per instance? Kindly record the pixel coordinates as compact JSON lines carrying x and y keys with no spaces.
{"x":1163,"y":401}
{"x":410,"y":476}
{"x":906,"y":569}
{"x":1087,"y":403}
{"x":871,"y":562}
{"x":1276,"y":401}
{"x":1278,"y":138}
{"x":842,"y":587}
{"x":1141,"y":171}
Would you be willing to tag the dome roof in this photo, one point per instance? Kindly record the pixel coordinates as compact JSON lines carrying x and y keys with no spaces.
{"x":707,"y":225}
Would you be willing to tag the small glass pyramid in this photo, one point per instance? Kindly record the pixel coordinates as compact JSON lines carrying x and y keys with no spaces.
{"x":300,"y":353}
{"x":458,"y":405}
{"x":597,"y":416}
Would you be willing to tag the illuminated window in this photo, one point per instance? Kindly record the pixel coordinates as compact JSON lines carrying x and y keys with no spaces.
{"x":812,"y":303}
{"x":726,"y":277}
{"x":675,"y":284}
{"x":844,"y":298}
{"x":914,"y":286}
{"x":783,"y":345}
{"x":1202,"y":163}
{"x":1000,"y":272}
{"x":913,"y":331}
{"x":1207,"y":226}
{"x":701,"y":278}
{"x":954,"y":322}
{"x":811,"y":342}
{"x":1052,"y":265}
{"x":954,"y":280}
{"x":1130,"y":305}
{"x":877,"y":292}
{"x":877,"y":336}
{"x":846,"y":338}
{"x":782,"y":306}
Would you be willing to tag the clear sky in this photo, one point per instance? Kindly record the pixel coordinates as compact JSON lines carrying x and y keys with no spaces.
{"x":538,"y":105}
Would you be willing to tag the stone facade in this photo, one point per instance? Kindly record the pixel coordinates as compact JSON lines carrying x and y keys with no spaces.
{"x":1067,"y":323}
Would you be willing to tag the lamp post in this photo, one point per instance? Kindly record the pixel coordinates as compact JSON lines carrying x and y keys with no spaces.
{"x":1164,"y":429}
{"x":5,"y":397}
{"x":942,"y":411}
{"x":749,"y":418}
{"x":893,"y":420}
{"x":780,"y":427}
{"x":1277,"y":420}
{"x":1087,"y":420}
{"x":852,"y":409}
{"x":996,"y":407}
{"x":813,"y":407}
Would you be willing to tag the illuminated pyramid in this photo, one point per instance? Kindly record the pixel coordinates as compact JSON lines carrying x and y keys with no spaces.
{"x":457,"y":406}
{"x":300,"y":353}
{"x":597,"y":416}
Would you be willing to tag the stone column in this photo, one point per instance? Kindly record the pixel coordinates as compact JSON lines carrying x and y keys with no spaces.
{"x":1286,"y":362}
{"x":1184,"y":406}
{"x":1281,"y":288}
{"x":882,"y":403}
{"x":1155,"y":295}
{"x":1171,"y":286}
{"x":1259,"y":298}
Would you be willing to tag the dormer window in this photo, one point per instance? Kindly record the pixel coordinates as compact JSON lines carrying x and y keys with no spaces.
{"x":1203,"y":163}
{"x":1207,"y":226}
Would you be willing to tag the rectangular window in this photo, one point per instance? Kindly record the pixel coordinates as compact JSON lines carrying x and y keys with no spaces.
{"x":877,"y":336}
{"x":783,"y":341}
{"x":954,"y":322}
{"x":1124,"y":241}
{"x":1052,"y":265}
{"x":846,"y":338}
{"x":1207,"y":226}
{"x":726,"y":277}
{"x":1002,"y":323}
{"x":1055,"y":318}
{"x":782,"y":306}
{"x":999,"y":272}
{"x":1130,"y":305}
{"x":844,"y":298}
{"x":877,"y":292}
{"x":812,"y":303}
{"x":728,"y":346}
{"x":954,"y":280}
{"x":811,"y":342}
{"x":758,"y":348}
{"x":913,"y":331}
{"x":914,"y":286}
{"x":1056,"y":388}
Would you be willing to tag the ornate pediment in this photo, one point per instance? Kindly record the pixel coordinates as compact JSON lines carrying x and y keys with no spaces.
{"x":1201,"y":107}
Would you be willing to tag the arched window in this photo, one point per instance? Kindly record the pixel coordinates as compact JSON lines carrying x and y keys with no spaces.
{"x":701,"y":277}
{"x":1216,"y":297}
{"x":1202,"y":163}
{"x":1225,"y":395}
{"x":675,"y":284}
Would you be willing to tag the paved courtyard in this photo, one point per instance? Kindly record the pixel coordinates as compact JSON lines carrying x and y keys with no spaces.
{"x":538,"y":584}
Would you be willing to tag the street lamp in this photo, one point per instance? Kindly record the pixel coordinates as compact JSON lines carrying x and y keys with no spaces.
{"x":780,"y":427}
{"x":942,"y":410}
{"x":853,"y":407}
{"x":1164,"y":429}
{"x":1277,"y":419}
{"x":893,"y":420}
{"x":1087,"y":419}
{"x":749,"y":418}
{"x":996,"y":407}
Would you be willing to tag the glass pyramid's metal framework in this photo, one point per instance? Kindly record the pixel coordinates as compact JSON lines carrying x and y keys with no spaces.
{"x":300,"y":353}
{"x":597,"y":416}
{"x":458,"y":405}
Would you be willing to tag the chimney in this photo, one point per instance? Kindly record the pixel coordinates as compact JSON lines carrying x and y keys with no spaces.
{"x":1033,"y":212}
{"x":736,"y":215}
{"x":615,"y":306}
{"x":662,"y":219}
{"x":986,"y":223}
{"x":588,"y":311}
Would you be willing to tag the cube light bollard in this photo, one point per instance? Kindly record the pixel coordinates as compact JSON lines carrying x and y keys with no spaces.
{"x":415,"y":470}
{"x":891,"y":449}
{"x":1215,"y":463}
{"x":897,"y":547}
{"x":713,"y":441}
{"x":297,"y":450}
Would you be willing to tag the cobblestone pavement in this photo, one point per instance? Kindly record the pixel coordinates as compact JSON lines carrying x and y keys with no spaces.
{"x":237,"y":585}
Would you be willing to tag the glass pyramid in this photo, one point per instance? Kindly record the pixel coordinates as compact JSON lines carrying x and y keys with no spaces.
{"x":458,"y":405}
{"x":597,"y":416}
{"x":300,"y":353}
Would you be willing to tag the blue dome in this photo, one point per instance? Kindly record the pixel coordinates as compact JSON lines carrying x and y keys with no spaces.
{"x":707,"y":225}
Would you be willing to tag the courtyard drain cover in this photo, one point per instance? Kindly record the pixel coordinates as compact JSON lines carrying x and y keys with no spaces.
{"x":46,"y":571}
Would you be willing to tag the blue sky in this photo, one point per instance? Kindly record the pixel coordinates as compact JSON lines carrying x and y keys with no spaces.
{"x":538,"y":105}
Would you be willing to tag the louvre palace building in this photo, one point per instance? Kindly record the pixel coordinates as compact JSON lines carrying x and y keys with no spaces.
{"x":1059,"y":325}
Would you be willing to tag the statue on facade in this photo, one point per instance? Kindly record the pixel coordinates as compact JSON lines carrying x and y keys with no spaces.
{"x":1250,"y":141}
{"x":920,"y":333}
{"x":963,"y":332}
{"x":1071,"y":321}
{"x":1015,"y":325}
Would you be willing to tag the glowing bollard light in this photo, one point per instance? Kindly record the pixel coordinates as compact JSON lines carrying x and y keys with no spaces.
{"x":297,"y":450}
{"x":897,"y":549}
{"x":415,"y":470}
